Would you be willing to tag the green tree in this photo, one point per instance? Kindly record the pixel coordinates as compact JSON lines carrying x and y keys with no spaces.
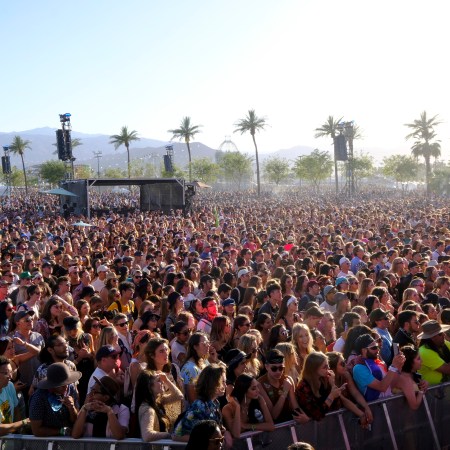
{"x":251,"y":124}
{"x":17,"y":177}
{"x":315,"y":167}
{"x":236,"y":167}
{"x":362,"y":166}
{"x":187,"y":131}
{"x":425,"y":143}
{"x":178,"y":172}
{"x":401,"y":168}
{"x":440,"y":181}
{"x":52,"y":171}
{"x":18,"y":147}
{"x":276,"y":169}
{"x":124,"y":138}
{"x":83,"y":172}
{"x":205,"y":170}
{"x":139,"y":169}
{"x":114,"y":172}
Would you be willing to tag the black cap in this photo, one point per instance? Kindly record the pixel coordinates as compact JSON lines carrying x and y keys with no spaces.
{"x":71,"y":322}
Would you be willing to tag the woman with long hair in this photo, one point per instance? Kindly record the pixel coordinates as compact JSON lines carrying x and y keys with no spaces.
{"x":410,"y":294}
{"x":385,"y":298}
{"x":49,"y":322}
{"x":83,"y":309}
{"x":247,"y":409}
{"x":249,"y":297}
{"x":365,"y":288}
{"x":220,"y":335}
{"x":290,"y":360}
{"x":264,"y":324}
{"x":410,"y":382}
{"x":93,"y":327}
{"x":157,"y":354}
{"x":152,"y":393}
{"x":210,"y":386}
{"x":288,"y":313}
{"x":342,"y":376}
{"x":109,"y":336}
{"x":196,"y":361}
{"x":317,"y":393}
{"x":287,"y":285}
{"x":241,"y":325}
{"x":83,"y":349}
{"x":248,"y":343}
{"x":278,"y":334}
{"x":6,"y":312}
{"x":303,"y":343}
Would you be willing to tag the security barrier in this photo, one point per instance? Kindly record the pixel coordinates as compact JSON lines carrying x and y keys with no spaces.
{"x":395,"y":427}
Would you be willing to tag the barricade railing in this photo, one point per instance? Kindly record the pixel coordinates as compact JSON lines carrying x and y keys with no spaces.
{"x":395,"y":427}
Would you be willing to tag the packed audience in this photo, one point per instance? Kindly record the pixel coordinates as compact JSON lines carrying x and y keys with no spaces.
{"x":242,"y":314}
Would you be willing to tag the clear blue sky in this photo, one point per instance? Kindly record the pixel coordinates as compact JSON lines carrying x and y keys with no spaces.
{"x":146,"y":64}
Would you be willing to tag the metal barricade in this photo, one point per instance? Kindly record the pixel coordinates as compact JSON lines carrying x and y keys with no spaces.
{"x":395,"y":427}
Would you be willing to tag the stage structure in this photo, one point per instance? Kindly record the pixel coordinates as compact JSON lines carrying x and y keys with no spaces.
{"x":156,"y":194}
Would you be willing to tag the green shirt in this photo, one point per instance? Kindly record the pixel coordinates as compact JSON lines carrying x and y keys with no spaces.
{"x":430,"y":362}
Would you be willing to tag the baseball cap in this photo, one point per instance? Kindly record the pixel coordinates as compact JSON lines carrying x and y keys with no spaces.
{"x":243,"y":272}
{"x":344,"y":260}
{"x":22,"y":314}
{"x":363,"y":341}
{"x":378,"y":314}
{"x":228,"y":302}
{"x":25,"y":276}
{"x":105,"y":351}
{"x":102,"y":268}
{"x":341,"y":280}
{"x":327,"y":289}
{"x":73,"y":269}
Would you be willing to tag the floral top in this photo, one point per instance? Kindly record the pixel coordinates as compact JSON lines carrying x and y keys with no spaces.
{"x":190,"y":372}
{"x":199,"y":410}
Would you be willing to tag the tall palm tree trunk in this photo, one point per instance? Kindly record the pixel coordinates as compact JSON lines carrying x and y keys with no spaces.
{"x":24,"y":174}
{"x":190,"y":162}
{"x":128,"y":156}
{"x":427,"y":174}
{"x":257,"y":165}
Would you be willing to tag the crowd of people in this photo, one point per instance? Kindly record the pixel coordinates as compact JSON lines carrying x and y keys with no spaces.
{"x":246,"y":313}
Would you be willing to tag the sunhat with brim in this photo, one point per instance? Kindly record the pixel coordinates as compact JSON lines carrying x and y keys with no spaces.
{"x":58,"y":374}
{"x":432,"y":328}
{"x":108,"y":385}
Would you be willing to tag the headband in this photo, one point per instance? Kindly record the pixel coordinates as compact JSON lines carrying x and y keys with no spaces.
{"x":291,"y":300}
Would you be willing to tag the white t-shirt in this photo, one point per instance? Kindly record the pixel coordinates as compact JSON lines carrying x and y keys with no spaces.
{"x":98,"y":373}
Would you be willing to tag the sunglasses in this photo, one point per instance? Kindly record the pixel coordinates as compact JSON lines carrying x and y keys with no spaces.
{"x":123,"y":324}
{"x":95,"y":326}
{"x":374,"y":347}
{"x":185,"y":333}
{"x":277,"y":368}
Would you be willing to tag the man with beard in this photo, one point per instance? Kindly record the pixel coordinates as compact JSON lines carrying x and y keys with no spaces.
{"x":371,"y":375}
{"x":56,"y":350}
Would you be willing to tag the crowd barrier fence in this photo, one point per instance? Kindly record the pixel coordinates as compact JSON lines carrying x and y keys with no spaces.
{"x":395,"y":427}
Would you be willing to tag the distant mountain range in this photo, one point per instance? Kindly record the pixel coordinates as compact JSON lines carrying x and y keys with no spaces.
{"x":147,"y":150}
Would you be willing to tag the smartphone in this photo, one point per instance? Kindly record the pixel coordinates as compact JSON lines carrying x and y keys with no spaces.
{"x":396,"y":348}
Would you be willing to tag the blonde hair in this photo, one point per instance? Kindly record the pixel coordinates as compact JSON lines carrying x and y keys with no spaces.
{"x":290,"y":360}
{"x":295,"y":334}
{"x":408,"y":294}
{"x":246,"y":343}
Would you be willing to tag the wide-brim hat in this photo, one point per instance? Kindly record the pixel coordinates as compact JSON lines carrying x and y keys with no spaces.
{"x":108,"y":385}
{"x":432,"y":328}
{"x":58,"y":374}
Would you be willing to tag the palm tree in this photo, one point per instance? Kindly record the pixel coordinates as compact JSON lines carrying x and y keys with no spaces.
{"x":186,"y":132}
{"x":252,"y":123}
{"x":18,"y":147}
{"x":124,"y":138}
{"x":330,"y":128}
{"x":424,"y":134}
